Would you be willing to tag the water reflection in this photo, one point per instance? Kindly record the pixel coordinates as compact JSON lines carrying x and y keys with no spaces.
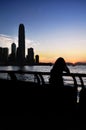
{"x":26,"y":77}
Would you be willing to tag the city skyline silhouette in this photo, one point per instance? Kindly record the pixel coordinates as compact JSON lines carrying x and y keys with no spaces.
{"x":53,"y":28}
{"x":17,"y":55}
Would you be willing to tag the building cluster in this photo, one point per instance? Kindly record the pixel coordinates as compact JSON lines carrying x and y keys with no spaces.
{"x":17,"y":55}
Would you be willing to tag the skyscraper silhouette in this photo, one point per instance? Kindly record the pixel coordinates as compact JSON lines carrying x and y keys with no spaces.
{"x":30,"y":56}
{"x":21,"y":44}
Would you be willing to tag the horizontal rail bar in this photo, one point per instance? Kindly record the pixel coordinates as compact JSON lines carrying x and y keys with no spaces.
{"x":42,"y":73}
{"x":39,"y":75}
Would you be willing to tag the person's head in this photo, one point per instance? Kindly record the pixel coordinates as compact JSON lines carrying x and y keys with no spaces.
{"x":60,"y":63}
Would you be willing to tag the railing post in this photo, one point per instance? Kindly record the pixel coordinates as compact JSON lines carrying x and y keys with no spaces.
{"x":37,"y":77}
{"x":42,"y":79}
{"x":82,"y":84}
{"x":75,"y":82}
{"x":12,"y":75}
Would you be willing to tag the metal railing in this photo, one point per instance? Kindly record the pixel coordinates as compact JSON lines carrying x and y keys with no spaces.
{"x":39,"y":76}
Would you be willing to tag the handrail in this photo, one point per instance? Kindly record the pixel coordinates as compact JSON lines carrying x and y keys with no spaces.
{"x":74,"y":76}
{"x":39,"y":75}
{"x":43,"y":73}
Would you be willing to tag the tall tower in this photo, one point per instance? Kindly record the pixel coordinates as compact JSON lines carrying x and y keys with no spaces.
{"x":21,"y":44}
{"x":30,"y":55}
{"x":13,"y":50}
{"x":13,"y":53}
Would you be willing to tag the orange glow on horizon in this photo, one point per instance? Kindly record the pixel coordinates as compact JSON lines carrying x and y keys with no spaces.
{"x":67,"y":59}
{"x":69,"y":56}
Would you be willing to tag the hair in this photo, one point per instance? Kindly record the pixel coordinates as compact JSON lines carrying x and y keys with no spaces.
{"x":56,"y":72}
{"x":59,"y":63}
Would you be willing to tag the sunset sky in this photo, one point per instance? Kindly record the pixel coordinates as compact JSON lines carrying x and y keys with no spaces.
{"x":53,"y":28}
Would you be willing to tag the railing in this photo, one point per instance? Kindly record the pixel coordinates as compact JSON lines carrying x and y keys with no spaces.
{"x":74,"y":76}
{"x":40,"y":79}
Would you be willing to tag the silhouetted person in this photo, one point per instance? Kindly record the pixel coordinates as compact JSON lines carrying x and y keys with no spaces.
{"x":56,"y":79}
{"x":62,"y":98}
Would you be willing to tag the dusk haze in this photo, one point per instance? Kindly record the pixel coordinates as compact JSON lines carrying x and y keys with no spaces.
{"x":43,"y":63}
{"x":54,"y":28}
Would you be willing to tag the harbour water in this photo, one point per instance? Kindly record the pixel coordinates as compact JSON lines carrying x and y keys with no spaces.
{"x":68,"y":80}
{"x":25,"y":77}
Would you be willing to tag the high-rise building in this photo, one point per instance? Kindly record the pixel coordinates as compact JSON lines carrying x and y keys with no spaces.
{"x":37,"y":58}
{"x":1,"y":52}
{"x":30,"y":56}
{"x":21,"y":44}
{"x":13,"y":50}
{"x":5,"y":54}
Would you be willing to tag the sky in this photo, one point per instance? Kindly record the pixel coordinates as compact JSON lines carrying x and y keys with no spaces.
{"x":54,"y":28}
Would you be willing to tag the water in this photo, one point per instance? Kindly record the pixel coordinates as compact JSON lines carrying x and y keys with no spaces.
{"x":26,"y":77}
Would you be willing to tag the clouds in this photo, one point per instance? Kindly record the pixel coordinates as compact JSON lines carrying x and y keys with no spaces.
{"x":6,"y":41}
{"x":31,"y":43}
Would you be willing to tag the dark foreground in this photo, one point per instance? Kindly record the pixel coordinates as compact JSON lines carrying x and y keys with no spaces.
{"x":42,"y":102}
